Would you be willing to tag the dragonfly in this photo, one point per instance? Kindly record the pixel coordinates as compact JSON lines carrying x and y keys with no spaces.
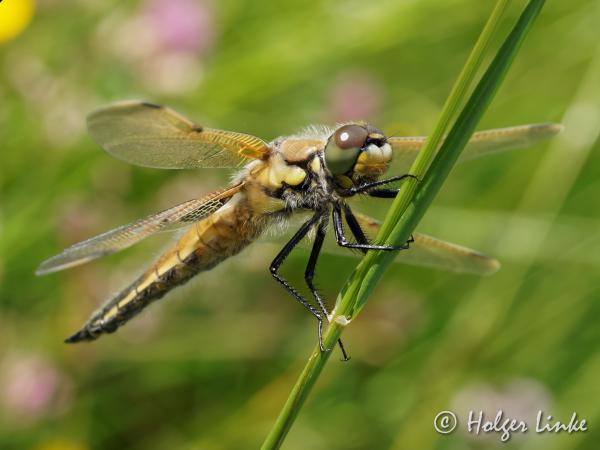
{"x":313,"y":173}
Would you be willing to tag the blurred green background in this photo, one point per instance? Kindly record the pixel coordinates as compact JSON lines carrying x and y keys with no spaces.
{"x":210,"y":367}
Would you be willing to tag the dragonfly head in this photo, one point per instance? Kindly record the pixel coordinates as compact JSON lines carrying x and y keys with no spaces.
{"x":357,"y":150}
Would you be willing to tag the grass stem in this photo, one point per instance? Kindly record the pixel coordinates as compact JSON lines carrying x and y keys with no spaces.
{"x":432,"y":168}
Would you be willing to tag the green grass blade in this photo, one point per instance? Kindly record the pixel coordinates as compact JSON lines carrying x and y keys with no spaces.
{"x":450,"y":150}
{"x":449,"y":110}
{"x":412,"y":202}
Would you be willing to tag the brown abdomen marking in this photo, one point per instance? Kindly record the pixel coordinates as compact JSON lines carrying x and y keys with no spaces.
{"x":205,"y":244}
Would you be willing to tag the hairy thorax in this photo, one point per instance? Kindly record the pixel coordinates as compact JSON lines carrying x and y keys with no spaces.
{"x":287,"y":182}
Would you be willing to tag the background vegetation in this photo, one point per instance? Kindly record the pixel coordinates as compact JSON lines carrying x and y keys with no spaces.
{"x":525,"y":339}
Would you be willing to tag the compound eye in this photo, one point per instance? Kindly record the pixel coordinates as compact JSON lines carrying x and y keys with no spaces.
{"x":351,"y":137}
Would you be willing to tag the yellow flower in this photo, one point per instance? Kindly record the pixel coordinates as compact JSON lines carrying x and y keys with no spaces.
{"x":15,"y":15}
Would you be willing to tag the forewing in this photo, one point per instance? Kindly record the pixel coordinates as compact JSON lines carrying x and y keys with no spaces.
{"x":124,"y":236}
{"x":151,"y":135}
{"x":431,"y":252}
{"x":481,"y":143}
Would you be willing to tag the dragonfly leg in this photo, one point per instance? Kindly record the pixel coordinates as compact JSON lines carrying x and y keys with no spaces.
{"x":280,"y":258}
{"x":355,"y":227}
{"x":368,"y":186}
{"x":358,"y":232}
{"x":384,"y":193}
{"x":341,"y":237}
{"x":310,"y":272}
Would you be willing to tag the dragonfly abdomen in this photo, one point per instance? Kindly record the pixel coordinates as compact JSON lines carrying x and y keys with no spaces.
{"x":203,"y":246}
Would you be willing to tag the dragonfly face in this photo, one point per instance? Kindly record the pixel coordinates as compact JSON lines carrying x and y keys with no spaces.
{"x":316,"y":171}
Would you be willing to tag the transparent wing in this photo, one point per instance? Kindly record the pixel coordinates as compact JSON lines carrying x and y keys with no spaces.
{"x":432,"y":252}
{"x":151,"y":135}
{"x":125,"y":236}
{"x":429,"y":252}
{"x":481,"y":143}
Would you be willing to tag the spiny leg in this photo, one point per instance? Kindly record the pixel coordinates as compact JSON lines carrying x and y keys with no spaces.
{"x":310,"y":272}
{"x":384,"y":193}
{"x":355,"y":227}
{"x":282,"y":255}
{"x":343,"y":241}
{"x":368,"y":186}
{"x":358,"y":232}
